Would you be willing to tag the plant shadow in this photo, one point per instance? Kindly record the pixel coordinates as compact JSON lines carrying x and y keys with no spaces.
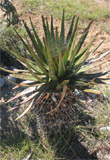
{"x":68,"y":142}
{"x":11,"y":135}
{"x":69,"y":147}
{"x":72,"y":142}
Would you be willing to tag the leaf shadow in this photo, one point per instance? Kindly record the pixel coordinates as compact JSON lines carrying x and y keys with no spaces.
{"x":11,"y":135}
{"x":67,"y":142}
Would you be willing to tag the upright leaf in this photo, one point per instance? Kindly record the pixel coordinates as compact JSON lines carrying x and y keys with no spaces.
{"x":40,"y":45}
{"x":52,"y":30}
{"x":61,"y":67}
{"x":52,"y":74}
{"x":82,"y":39}
{"x":74,"y":31}
{"x":44,"y":27}
{"x":62,"y":34}
{"x":70,"y":30}
{"x":82,"y":53}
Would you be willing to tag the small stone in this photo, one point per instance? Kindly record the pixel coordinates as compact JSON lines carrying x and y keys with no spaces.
{"x":11,"y":78}
{"x":78,"y":93}
{"x":107,"y":128}
{"x":11,"y":68}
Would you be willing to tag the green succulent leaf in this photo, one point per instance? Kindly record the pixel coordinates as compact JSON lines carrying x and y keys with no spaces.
{"x":62,"y":34}
{"x":34,"y":42}
{"x":57,"y":37}
{"x":82,"y":39}
{"x":74,"y":31}
{"x":83,"y":53}
{"x":38,"y":45}
{"x":24,"y":76}
{"x":61,"y":67}
{"x":34,"y":74}
{"x":52,"y":67}
{"x":70,"y":30}
{"x":65,"y":56}
{"x":56,"y":63}
{"x":34,"y":67}
{"x":40,"y":64}
{"x":44,"y":27}
{"x":9,"y":71}
{"x":32,"y":53}
{"x":72,"y":53}
{"x":52,"y":30}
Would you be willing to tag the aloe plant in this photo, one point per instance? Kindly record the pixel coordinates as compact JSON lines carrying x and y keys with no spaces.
{"x":57,"y":62}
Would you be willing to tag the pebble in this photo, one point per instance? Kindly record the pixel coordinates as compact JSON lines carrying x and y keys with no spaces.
{"x":11,"y":78}
{"x":107,"y":128}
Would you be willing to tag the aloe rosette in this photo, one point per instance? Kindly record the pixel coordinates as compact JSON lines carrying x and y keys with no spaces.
{"x":56,"y":64}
